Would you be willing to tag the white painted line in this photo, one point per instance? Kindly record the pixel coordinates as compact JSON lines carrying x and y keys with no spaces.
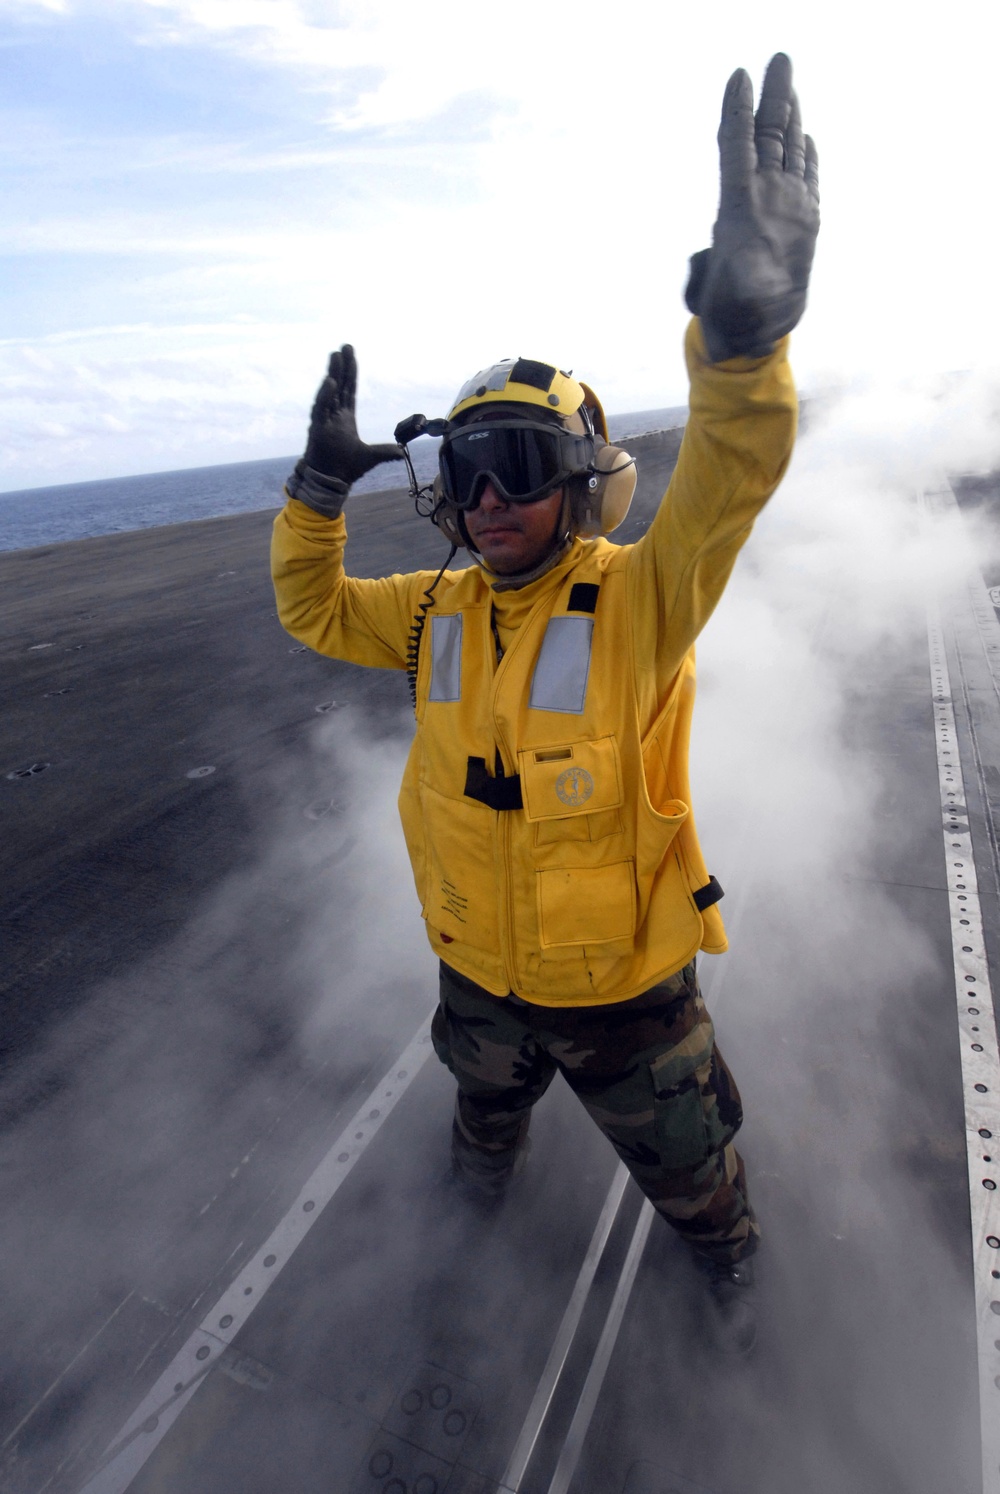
{"x":575,"y":1437}
{"x":64,"y":1372}
{"x":978,"y":1046}
{"x":558,"y":1354}
{"x":153,"y":1418}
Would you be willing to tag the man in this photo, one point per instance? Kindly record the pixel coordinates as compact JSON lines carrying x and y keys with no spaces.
{"x":545,"y":802}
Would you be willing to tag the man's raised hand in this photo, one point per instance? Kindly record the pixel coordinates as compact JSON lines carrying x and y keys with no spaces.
{"x":750,"y":288}
{"x":335,"y":455}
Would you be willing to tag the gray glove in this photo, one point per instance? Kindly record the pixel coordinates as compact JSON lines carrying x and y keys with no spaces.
{"x":335,"y":455}
{"x":750,"y":288}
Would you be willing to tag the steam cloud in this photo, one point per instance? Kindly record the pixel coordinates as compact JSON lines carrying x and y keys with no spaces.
{"x":309,"y":969}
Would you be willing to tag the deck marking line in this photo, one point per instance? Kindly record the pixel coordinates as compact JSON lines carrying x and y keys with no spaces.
{"x":558,"y":1354}
{"x":575,"y":1437}
{"x":977,"y":1031}
{"x":980,"y":1069}
{"x":156,"y":1414}
{"x":66,"y":1370}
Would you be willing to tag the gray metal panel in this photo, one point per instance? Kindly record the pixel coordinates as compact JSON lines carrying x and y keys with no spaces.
{"x":560,"y":678}
{"x":446,"y":658}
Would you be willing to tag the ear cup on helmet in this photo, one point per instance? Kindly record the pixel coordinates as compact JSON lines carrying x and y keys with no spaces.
{"x":601,"y":501}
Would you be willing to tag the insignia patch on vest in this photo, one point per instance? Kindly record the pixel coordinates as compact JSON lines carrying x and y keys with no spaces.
{"x":574,"y":786}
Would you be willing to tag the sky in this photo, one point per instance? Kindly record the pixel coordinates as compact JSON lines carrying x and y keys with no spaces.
{"x":203,"y":197}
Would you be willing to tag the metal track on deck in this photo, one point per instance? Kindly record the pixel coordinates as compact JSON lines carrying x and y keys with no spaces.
{"x":973,"y":988}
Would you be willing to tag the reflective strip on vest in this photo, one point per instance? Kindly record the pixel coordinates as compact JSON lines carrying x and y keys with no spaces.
{"x":446,"y":658}
{"x":560,"y":678}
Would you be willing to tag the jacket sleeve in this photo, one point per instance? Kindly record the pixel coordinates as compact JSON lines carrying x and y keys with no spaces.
{"x":347,"y":617}
{"x":736,"y":446}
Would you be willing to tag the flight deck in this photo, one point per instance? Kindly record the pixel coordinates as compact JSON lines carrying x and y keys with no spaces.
{"x":233,"y":1256}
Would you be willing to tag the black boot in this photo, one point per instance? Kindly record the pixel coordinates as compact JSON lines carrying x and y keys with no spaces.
{"x":733,"y":1314}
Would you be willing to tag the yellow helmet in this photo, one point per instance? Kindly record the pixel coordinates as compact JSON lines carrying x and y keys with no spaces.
{"x":599,"y":493}
{"x":524,"y":381}
{"x":599,"y":479}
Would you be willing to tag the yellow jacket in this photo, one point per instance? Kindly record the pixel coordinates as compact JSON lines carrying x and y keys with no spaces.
{"x":595,"y":887}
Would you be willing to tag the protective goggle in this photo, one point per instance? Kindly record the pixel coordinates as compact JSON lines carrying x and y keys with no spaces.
{"x":523,"y":460}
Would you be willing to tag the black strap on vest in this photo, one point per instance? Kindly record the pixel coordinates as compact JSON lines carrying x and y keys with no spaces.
{"x":583,"y":597}
{"x":707,"y":895}
{"x":496,"y":793}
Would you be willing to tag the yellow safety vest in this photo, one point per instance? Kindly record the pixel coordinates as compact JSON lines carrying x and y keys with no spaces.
{"x":545,"y":802}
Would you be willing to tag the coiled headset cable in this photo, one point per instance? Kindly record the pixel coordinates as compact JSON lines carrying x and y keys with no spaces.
{"x":426,"y":505}
{"x":417,"y":629}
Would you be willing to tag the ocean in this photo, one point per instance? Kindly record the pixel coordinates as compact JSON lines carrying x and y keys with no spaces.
{"x":47,"y":516}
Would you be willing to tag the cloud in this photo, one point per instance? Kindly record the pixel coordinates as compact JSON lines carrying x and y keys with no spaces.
{"x":387,"y":176}
{"x":144,"y":400}
{"x":28,"y":9}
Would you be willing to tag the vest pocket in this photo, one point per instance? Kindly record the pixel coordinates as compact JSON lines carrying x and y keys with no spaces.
{"x":571,"y":778}
{"x":586,"y":905}
{"x":664,"y":814}
{"x":655,"y":834}
{"x":459,"y":892}
{"x":579,"y":827}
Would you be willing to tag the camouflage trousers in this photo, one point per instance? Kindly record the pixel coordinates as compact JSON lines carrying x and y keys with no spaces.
{"x":646,"y":1070}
